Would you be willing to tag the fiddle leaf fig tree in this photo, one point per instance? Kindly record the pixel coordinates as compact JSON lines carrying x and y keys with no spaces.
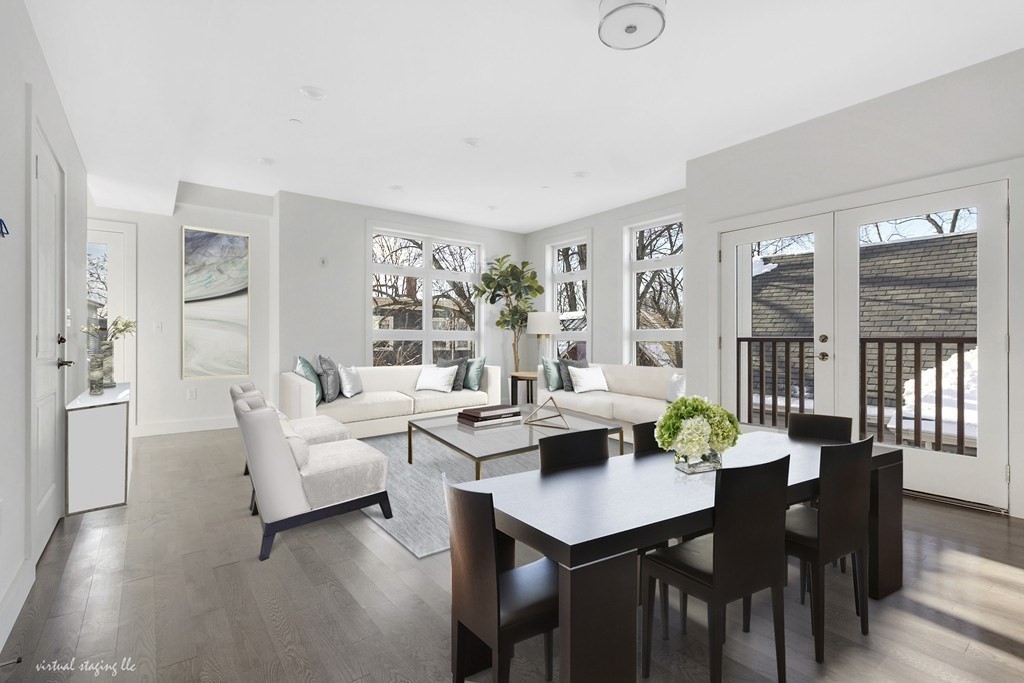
{"x":514,"y":287}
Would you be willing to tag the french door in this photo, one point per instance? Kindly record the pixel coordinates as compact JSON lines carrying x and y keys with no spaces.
{"x":894,"y":314}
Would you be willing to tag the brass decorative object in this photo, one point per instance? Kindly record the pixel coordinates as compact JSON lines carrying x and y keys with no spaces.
{"x":535,"y":421}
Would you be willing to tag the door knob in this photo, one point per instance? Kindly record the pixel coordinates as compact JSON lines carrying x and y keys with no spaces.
{"x":60,"y":338}
{"x":823,"y":338}
{"x":61,"y":363}
{"x":823,"y":356}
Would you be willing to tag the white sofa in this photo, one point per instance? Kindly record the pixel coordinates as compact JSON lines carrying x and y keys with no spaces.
{"x":388,"y":401}
{"x":635,"y":394}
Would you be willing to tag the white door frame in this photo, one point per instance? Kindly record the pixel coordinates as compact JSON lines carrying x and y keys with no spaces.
{"x":981,"y":479}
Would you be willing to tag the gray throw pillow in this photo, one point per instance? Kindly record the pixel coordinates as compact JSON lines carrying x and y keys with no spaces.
{"x":460,"y":374}
{"x":563,"y":367}
{"x":330,"y":379}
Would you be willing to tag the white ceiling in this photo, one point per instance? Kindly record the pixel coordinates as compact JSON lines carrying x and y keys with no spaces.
{"x":159,"y":91}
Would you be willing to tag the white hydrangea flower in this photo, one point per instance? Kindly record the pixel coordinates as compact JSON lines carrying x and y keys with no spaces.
{"x":693,"y":439}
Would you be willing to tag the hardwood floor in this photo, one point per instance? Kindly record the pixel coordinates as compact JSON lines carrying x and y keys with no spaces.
{"x":172,"y":581}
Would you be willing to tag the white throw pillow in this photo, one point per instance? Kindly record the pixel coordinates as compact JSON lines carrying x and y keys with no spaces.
{"x":351,"y":382}
{"x":434,"y":378}
{"x":676,"y":387}
{"x":588,"y":379}
{"x":300,"y":450}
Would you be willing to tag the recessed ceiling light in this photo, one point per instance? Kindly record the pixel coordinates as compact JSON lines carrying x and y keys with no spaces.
{"x":472,"y":142}
{"x":295,"y":122}
{"x":581,"y":174}
{"x":267,"y":161}
{"x":311,"y":92}
{"x":492,"y":207}
{"x":397,"y":188}
{"x":545,"y":187}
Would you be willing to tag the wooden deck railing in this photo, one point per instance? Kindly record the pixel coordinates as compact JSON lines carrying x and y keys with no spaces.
{"x":778,"y":374}
{"x":764,"y":371}
{"x":934,"y":348}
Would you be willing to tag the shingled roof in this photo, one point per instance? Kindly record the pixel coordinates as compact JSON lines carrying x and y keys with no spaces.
{"x":910,"y":288}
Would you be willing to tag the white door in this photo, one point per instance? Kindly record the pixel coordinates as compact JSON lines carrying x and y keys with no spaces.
{"x":46,"y":460}
{"x":938,"y":264}
{"x":777,"y":320}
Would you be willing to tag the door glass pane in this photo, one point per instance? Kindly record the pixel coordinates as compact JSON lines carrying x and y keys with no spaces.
{"x":397,"y":302}
{"x":96,"y":265}
{"x":775,"y":324}
{"x":454,"y":307}
{"x":919,"y":328}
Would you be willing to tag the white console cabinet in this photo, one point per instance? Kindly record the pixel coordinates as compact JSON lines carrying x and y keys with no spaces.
{"x":98,"y":450}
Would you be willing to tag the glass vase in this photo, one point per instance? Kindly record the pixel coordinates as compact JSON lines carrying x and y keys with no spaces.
{"x":96,"y":374}
{"x":107,"y":353}
{"x":705,"y":463}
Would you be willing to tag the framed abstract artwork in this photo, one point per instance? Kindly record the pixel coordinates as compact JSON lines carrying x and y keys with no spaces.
{"x":215,"y":303}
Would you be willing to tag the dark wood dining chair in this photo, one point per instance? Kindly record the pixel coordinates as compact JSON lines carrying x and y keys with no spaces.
{"x":644,"y":442}
{"x":573,"y":449}
{"x":492,"y":601}
{"x":836,"y":528}
{"x":832,"y":428}
{"x":744,"y":554}
{"x":809,"y":426}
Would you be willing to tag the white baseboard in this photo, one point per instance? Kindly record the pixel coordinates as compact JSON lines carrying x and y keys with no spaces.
{"x":157,"y":428}
{"x":14,"y":599}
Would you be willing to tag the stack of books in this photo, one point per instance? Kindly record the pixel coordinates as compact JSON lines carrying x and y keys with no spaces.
{"x":490,"y":416}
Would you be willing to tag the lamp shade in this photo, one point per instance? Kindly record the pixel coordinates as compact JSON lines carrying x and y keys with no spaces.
{"x":543,"y":323}
{"x":629,"y":24}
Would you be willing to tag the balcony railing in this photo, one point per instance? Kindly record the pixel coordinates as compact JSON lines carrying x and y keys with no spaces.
{"x":775,"y":377}
{"x":771,"y":380}
{"x":885,"y":363}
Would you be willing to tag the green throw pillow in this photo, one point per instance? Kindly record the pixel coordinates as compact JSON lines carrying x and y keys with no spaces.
{"x":474,"y":373}
{"x":552,"y":373}
{"x":304,"y":368}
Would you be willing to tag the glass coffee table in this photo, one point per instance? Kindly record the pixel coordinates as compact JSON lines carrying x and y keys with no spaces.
{"x":481,"y":444}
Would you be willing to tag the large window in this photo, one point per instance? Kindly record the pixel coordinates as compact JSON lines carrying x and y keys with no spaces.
{"x":570,"y":288}
{"x":422,"y":308}
{"x":656,"y":273}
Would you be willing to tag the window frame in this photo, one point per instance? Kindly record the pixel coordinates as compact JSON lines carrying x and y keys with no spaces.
{"x":426,"y":272}
{"x":554,"y":278}
{"x":636,"y":266}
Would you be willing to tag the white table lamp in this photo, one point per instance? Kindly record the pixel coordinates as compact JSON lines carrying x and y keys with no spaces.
{"x":543,"y":324}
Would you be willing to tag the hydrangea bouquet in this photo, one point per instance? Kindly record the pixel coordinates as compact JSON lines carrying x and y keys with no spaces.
{"x":694,"y":428}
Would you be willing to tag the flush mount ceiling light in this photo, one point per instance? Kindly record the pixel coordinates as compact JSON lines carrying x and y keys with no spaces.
{"x":472,"y":142}
{"x":311,"y":92}
{"x":266,"y":161}
{"x":629,"y":24}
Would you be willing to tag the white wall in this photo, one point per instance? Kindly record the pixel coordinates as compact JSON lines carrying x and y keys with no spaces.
{"x":959,"y":129}
{"x":323,"y":309}
{"x":161,"y":403}
{"x":610,"y":291}
{"x":28,"y":93}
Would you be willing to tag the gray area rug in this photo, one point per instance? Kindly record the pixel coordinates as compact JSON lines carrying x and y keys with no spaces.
{"x":420,"y":521}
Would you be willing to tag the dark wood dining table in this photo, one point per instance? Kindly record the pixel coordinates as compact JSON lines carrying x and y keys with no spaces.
{"x":592,"y":520}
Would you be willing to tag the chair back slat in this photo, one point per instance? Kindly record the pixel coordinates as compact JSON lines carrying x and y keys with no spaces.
{"x":844,"y":497}
{"x":573,"y":449}
{"x":644,"y":442}
{"x":473,"y":557}
{"x":831,"y":427}
{"x":750,"y":527}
